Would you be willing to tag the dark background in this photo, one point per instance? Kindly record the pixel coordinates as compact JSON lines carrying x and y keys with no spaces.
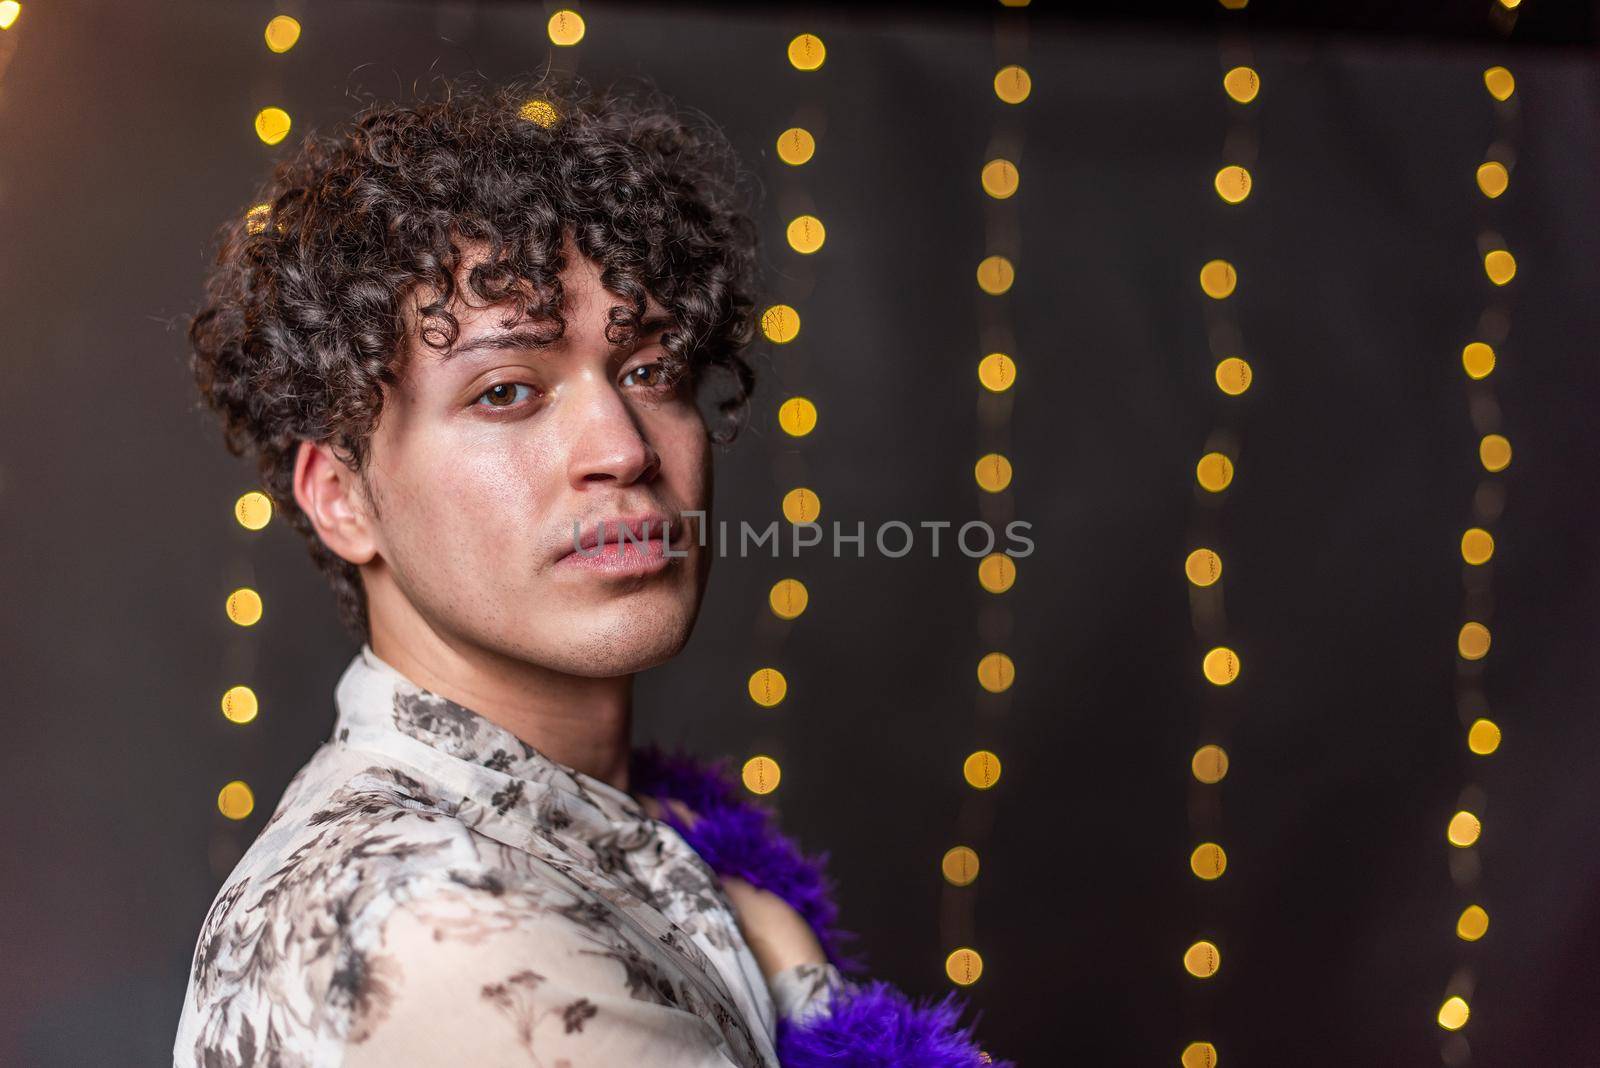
{"x":125,"y":138}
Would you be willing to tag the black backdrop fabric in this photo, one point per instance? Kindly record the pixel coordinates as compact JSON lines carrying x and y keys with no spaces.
{"x":127,"y":139}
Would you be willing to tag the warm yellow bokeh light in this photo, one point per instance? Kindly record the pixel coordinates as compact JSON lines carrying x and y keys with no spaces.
{"x":253,"y":510}
{"x":1203,"y":566}
{"x":1234,"y":376}
{"x":236,"y":800}
{"x":781,"y":324}
{"x":1495,"y":452}
{"x":981,"y":769}
{"x":1232,"y":183}
{"x":1012,"y":84}
{"x":767,"y":686}
{"x":255,"y":220}
{"x":1214,"y":472}
{"x":1478,"y":359}
{"x":761,"y":774}
{"x":997,"y":372}
{"x":1473,"y":923}
{"x":9,"y":10}
{"x":239,"y":704}
{"x":796,"y":146}
{"x":282,"y":32}
{"x":1477,"y":546}
{"x":566,"y":28}
{"x":1500,"y":265}
{"x":788,"y":598}
{"x":1234,"y":5}
{"x":1202,"y":959}
{"x":1208,"y":861}
{"x":1242,"y":84}
{"x":801,"y":505}
{"x":963,"y":966}
{"x":272,"y":125}
{"x":244,"y":606}
{"x":1209,"y":764}
{"x":960,"y":866}
{"x":1218,"y":279}
{"x":797,"y":416}
{"x":539,"y":112}
{"x":1464,"y":829}
{"x":1199,"y":1055}
{"x":993,"y":472}
{"x":996,"y":572}
{"x":1499,"y":82}
{"x":1453,"y":1014}
{"x":1483,"y":737}
{"x":996,"y":672}
{"x":995,"y":275}
{"x":1000,"y":178}
{"x":1473,"y":641}
{"x":1493,"y":178}
{"x":1221,"y":666}
{"x":806,"y":234}
{"x":806,"y":52}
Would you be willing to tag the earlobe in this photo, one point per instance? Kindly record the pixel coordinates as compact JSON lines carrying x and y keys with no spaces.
{"x":329,"y":494}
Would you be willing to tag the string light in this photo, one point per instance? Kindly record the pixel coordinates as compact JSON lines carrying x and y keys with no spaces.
{"x":801,"y":505}
{"x":806,"y":234}
{"x":797,"y":416}
{"x":796,"y":146}
{"x":566,"y":28}
{"x":768,"y":687}
{"x":997,"y":372}
{"x":9,"y":10}
{"x":788,"y":598}
{"x":272,"y":125}
{"x":239,"y":704}
{"x":807,"y":52}
{"x":244,"y":607}
{"x":761,"y":774}
{"x":253,"y":510}
{"x":981,"y":769}
{"x":539,"y":112}
{"x":780,"y":324}
{"x":236,"y":800}
{"x":1234,"y":376}
{"x":995,"y":275}
{"x":281,"y":33}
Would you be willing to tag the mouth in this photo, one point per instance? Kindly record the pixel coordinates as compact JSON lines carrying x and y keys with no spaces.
{"x":624,"y":545}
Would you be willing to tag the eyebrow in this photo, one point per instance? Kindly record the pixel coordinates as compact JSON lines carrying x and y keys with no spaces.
{"x":500,"y":340}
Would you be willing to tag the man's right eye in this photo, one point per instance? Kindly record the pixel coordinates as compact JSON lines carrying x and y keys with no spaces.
{"x":503,"y":394}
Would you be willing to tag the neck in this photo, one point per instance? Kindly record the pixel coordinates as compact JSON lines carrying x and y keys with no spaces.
{"x":584,"y":723}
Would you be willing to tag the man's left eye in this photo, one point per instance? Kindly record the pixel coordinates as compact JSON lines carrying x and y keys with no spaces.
{"x":655,"y":376}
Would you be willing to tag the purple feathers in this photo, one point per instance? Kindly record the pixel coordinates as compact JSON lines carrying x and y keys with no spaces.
{"x":868,"y":1024}
{"x":873,"y":1025}
{"x":737,"y":836}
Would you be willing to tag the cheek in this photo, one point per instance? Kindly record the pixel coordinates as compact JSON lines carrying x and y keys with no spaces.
{"x":685,"y":450}
{"x":473,"y":499}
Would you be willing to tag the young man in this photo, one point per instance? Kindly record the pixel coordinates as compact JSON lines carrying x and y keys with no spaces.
{"x":468,"y":342}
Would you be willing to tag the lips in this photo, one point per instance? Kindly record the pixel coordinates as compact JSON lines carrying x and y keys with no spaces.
{"x":622,"y":531}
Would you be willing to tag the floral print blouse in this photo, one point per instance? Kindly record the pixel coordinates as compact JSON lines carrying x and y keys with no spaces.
{"x":432,"y":890}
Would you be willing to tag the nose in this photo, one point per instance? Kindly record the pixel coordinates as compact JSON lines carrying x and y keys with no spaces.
{"x":607,"y":441}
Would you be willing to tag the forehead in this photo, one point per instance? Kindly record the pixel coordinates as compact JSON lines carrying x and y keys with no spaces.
{"x":584,"y":298}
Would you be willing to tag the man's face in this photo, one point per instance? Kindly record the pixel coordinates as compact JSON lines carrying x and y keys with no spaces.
{"x":482,"y":463}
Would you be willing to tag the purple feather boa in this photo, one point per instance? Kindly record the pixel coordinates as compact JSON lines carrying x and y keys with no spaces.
{"x":864,"y":1025}
{"x":873,"y":1025}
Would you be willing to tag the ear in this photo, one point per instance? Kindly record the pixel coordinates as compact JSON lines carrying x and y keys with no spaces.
{"x":332,"y":497}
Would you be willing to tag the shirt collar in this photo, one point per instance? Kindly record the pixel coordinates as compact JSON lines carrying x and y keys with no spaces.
{"x":374,"y":698}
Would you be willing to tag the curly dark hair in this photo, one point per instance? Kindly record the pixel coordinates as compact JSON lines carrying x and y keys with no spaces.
{"x":303,"y":322}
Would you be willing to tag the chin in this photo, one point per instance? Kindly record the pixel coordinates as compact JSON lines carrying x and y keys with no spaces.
{"x":620,"y":639}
